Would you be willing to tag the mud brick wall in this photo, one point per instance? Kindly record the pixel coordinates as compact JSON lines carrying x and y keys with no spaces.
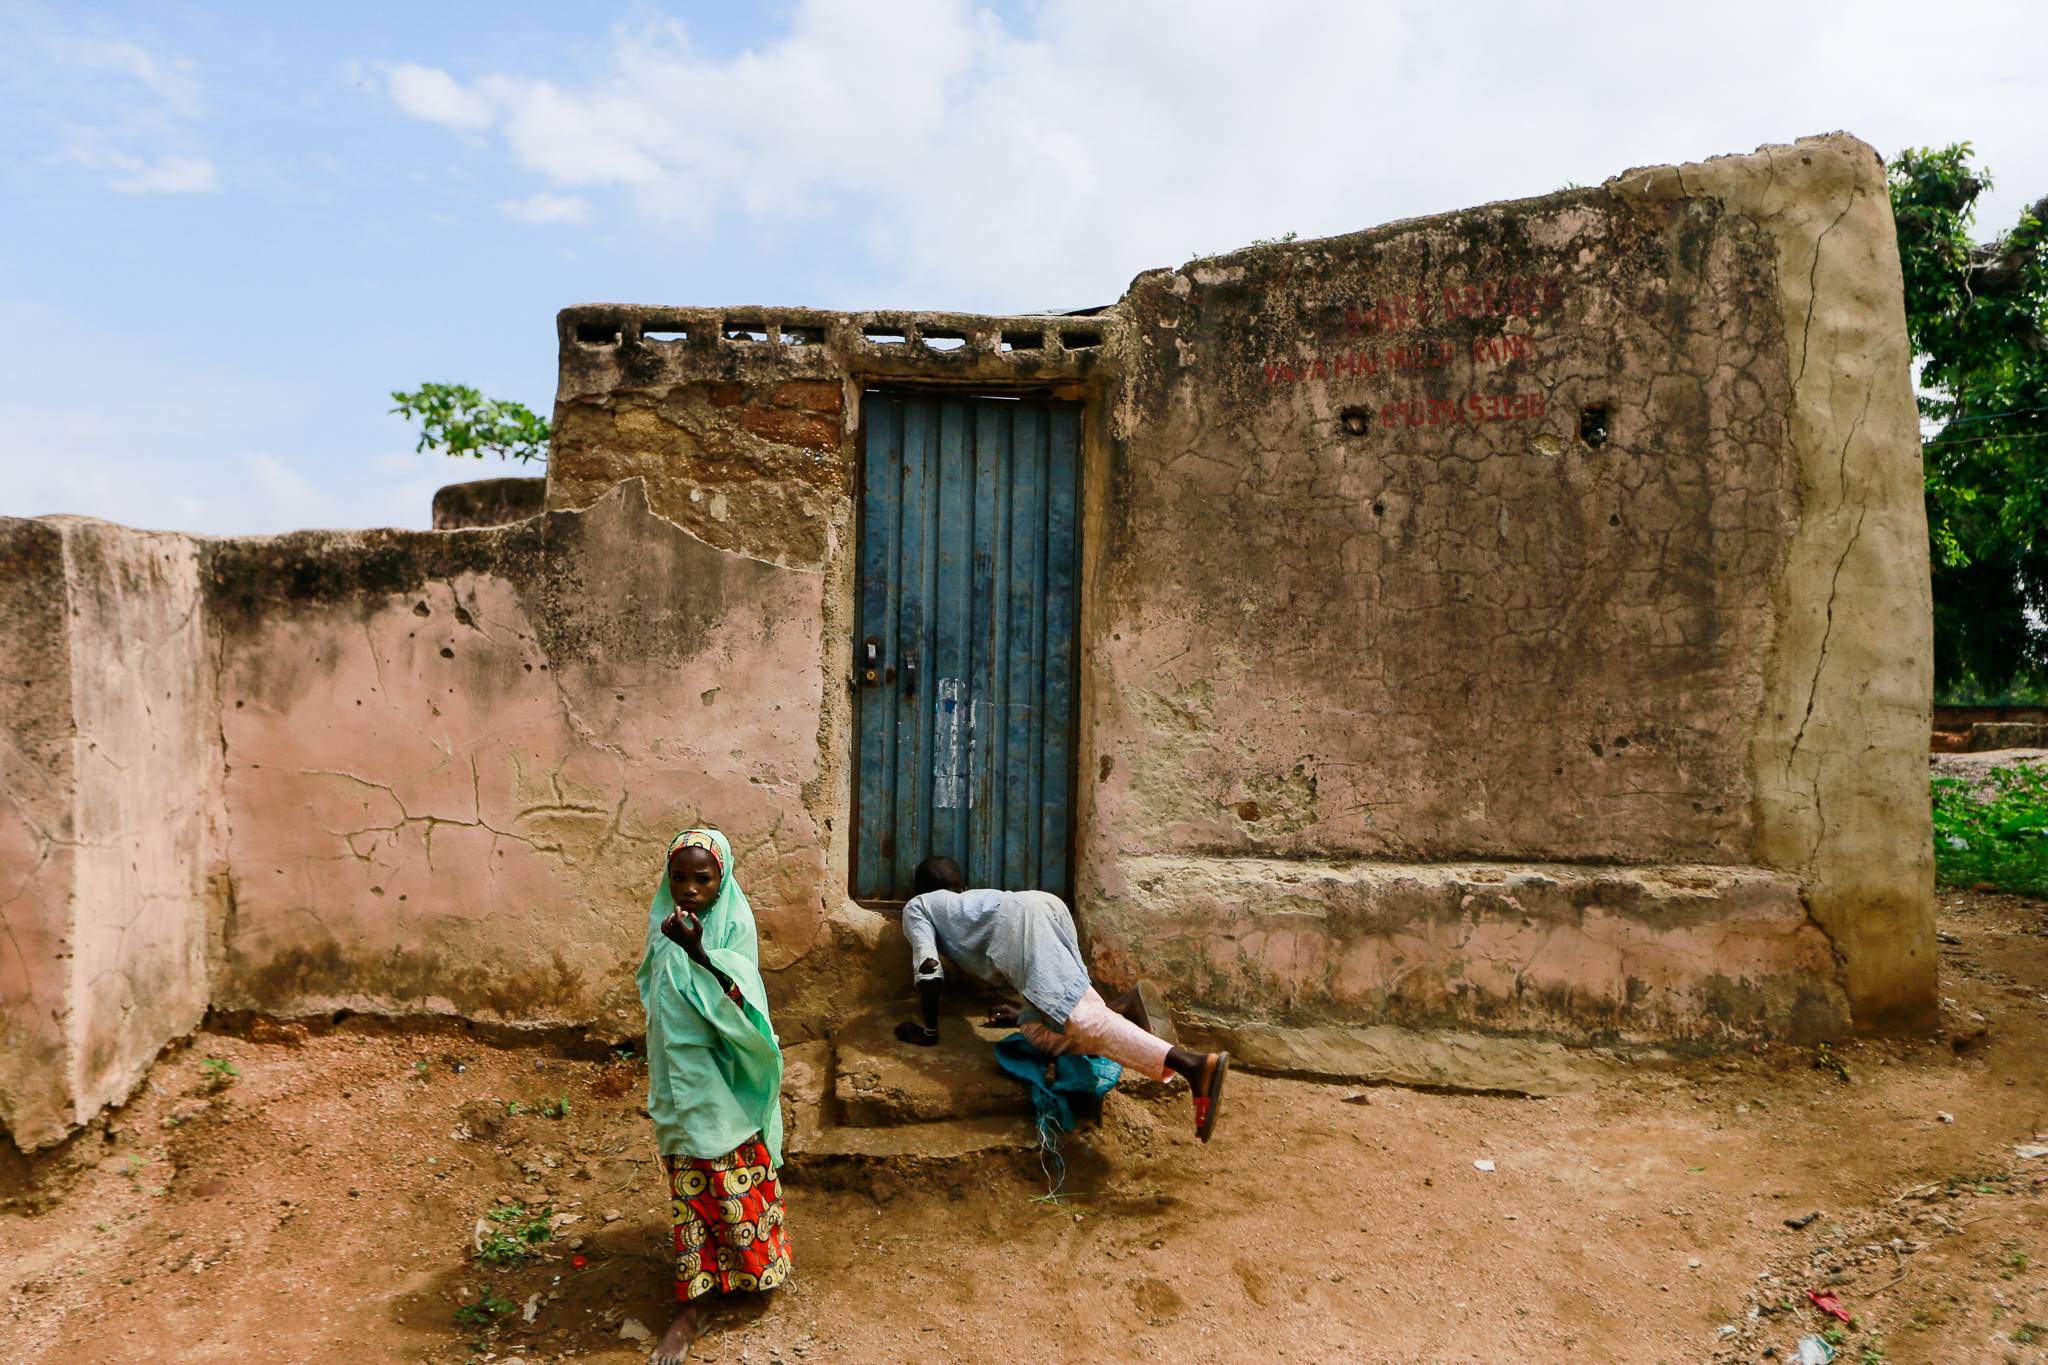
{"x":1589,"y":544}
{"x":109,"y":784}
{"x":1515,"y":619}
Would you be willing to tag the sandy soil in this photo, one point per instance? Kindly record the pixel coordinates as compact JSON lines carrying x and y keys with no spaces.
{"x":322,"y":1206}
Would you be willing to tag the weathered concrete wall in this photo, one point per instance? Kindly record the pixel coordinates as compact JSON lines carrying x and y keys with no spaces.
{"x":484,"y":740}
{"x":111,"y":769}
{"x":488,"y":502}
{"x":1514,"y":619}
{"x":1552,"y":510}
{"x":38,"y":849}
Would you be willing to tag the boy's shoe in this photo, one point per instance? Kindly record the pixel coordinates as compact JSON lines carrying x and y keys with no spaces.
{"x":1209,"y":1097}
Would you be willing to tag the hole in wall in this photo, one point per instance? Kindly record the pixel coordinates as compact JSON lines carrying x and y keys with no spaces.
{"x":882,"y":336}
{"x":803,"y":336}
{"x":745,"y":331}
{"x":1023,"y":341}
{"x":1593,"y":425}
{"x":597,"y":333}
{"x":669,"y":336}
{"x":1080,"y":341}
{"x":945,"y":341}
{"x":1355,"y":421}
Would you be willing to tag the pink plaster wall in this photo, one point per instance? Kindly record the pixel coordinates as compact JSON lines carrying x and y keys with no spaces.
{"x":455,"y":758}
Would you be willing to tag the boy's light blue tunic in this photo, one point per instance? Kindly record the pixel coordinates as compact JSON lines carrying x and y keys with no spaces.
{"x":1025,"y":938}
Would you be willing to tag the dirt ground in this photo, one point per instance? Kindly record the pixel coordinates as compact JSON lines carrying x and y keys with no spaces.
{"x":323,"y":1203}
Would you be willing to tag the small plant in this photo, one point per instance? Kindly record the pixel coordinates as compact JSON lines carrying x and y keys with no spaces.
{"x":2028,"y":1332}
{"x":513,"y":1108}
{"x":1833,"y":1334}
{"x":1827,"y":1059}
{"x":219,"y":1073}
{"x":2018,"y":1260}
{"x":517,"y":1234}
{"x":490,"y":1305}
{"x":1873,"y":1354}
{"x":458,"y":420}
{"x":556,"y":1108}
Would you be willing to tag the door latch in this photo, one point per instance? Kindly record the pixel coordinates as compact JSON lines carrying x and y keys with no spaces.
{"x":871,"y":662}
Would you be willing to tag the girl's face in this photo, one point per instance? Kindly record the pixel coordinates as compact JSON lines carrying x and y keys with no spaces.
{"x":693,"y":879}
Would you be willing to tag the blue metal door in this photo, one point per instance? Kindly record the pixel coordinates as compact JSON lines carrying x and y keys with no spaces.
{"x":964,"y":655}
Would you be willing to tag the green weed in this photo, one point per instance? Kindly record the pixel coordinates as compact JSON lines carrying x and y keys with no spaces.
{"x":219,"y":1073}
{"x":1997,"y":837}
{"x":518,"y":1234}
{"x":488,"y":1308}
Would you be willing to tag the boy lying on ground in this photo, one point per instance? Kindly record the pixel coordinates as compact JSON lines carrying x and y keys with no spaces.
{"x":1026,"y":940}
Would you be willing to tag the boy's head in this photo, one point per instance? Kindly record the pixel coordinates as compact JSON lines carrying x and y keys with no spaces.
{"x":937,"y":873}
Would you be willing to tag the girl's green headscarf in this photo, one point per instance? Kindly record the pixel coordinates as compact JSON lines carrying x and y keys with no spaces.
{"x":714,"y":1068}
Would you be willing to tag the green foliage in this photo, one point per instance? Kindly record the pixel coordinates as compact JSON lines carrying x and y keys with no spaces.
{"x":490,"y":1305}
{"x":458,"y":420}
{"x":2029,"y":1331}
{"x":219,"y":1073}
{"x":1995,"y":837}
{"x":1976,"y":314}
{"x":517,"y":1234}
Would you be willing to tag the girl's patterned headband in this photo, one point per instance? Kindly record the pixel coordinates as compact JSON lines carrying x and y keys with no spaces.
{"x":697,"y":838}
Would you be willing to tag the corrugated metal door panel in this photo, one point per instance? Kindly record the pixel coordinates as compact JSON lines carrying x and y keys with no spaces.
{"x":969,"y":567}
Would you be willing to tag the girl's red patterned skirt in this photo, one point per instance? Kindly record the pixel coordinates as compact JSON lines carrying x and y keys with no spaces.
{"x":726,"y":1214}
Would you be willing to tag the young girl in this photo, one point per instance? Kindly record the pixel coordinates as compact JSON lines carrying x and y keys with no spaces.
{"x":714,"y":1088}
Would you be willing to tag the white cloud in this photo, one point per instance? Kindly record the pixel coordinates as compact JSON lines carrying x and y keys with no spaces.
{"x":172,"y":80}
{"x":168,"y":175}
{"x":115,"y":466}
{"x":1046,"y":159}
{"x":107,"y":105}
{"x":546,"y":208}
{"x":435,"y":96}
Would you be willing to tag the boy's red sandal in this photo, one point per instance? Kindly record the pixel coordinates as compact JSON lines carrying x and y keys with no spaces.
{"x":1209,"y":1101}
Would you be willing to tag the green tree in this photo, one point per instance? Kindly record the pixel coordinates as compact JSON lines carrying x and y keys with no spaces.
{"x":1976,"y":315}
{"x":458,"y":420}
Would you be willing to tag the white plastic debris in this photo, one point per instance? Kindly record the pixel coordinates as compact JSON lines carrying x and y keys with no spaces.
{"x":532,"y":1308}
{"x":631,"y":1330}
{"x":1946,"y":1117}
{"x":1812,"y":1351}
{"x":2027,"y":1151}
{"x":1482,"y":1165}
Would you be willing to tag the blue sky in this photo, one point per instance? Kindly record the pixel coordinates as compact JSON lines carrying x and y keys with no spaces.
{"x":228,"y":231}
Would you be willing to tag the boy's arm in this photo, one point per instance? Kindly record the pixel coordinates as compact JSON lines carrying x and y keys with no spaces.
{"x":930,"y":974}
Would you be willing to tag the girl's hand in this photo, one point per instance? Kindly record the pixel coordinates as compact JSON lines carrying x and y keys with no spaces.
{"x":686,"y":930}
{"x":1003,"y":1016}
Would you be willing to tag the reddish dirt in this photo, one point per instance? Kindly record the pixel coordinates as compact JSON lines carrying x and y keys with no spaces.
{"x":322,"y":1206}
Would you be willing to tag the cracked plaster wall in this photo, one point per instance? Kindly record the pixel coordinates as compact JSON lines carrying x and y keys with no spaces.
{"x":111,"y":784}
{"x":454,"y":758}
{"x":1476,"y":635}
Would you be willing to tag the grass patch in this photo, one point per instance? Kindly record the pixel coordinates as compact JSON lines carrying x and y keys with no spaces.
{"x":1997,"y":836}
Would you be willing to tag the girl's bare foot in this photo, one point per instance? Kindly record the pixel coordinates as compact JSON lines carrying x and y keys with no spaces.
{"x":675,"y":1343}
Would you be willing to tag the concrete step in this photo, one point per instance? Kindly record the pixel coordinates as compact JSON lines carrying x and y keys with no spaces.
{"x":881,"y":1082}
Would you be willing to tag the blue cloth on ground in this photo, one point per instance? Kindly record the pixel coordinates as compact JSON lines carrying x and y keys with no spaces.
{"x":1076,"y":1079}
